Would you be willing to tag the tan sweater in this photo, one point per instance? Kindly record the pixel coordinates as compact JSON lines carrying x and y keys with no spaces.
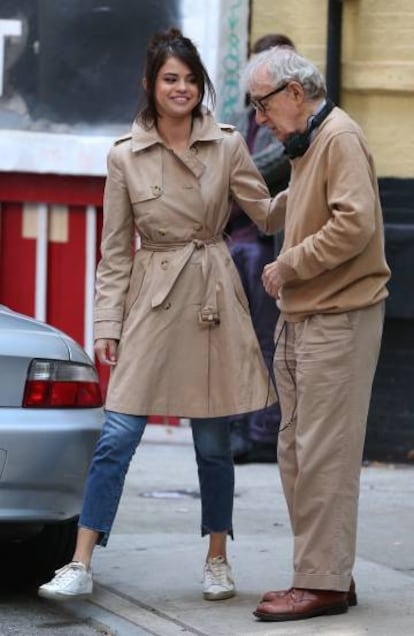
{"x":332,"y":258}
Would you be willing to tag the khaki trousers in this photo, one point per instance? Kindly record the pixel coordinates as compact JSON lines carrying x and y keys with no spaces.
{"x":324,"y":369}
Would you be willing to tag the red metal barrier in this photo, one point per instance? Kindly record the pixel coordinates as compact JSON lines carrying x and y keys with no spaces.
{"x":62,"y":268}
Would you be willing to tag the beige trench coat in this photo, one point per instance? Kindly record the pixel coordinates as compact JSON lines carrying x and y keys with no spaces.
{"x":187,"y":345}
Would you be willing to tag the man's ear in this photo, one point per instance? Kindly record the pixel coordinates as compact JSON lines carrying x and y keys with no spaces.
{"x":297,"y":91}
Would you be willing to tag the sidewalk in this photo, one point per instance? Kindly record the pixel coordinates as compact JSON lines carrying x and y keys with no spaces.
{"x":149,"y":576}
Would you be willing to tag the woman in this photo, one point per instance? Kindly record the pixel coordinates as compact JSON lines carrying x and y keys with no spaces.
{"x":172,"y":319}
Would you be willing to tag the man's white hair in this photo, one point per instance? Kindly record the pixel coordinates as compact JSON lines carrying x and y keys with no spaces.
{"x":282,"y":65}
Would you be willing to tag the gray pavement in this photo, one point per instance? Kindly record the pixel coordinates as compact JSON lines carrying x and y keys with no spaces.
{"x":148,"y":579}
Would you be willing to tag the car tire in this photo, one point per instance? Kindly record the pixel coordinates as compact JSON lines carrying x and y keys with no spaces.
{"x":31,"y":562}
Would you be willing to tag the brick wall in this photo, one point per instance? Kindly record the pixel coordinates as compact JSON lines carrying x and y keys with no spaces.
{"x":377,"y":71}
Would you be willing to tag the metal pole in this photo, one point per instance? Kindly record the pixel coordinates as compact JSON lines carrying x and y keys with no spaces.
{"x":41,"y":262}
{"x":333,"y":54}
{"x":90,"y":260}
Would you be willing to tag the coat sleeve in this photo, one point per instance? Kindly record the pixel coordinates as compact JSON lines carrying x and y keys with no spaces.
{"x":250,"y":192}
{"x":114,"y":269}
{"x":271,"y":160}
{"x":268,"y":152}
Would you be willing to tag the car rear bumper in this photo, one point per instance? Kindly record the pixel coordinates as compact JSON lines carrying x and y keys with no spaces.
{"x":44,"y":459}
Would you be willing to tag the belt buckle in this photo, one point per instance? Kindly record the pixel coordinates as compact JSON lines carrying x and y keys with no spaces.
{"x":208,"y":317}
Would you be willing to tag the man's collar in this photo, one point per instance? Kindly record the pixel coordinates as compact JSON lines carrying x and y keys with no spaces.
{"x":317,"y":110}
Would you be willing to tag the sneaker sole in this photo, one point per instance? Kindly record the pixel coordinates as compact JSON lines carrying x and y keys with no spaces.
{"x":220,"y":596}
{"x":58,"y":596}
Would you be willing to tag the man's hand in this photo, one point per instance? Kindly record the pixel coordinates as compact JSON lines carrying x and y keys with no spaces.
{"x":271,"y":279}
{"x":106,"y":351}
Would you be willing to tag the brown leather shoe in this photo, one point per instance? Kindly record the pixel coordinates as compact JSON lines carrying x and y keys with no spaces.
{"x":352,"y":595}
{"x":297,"y":604}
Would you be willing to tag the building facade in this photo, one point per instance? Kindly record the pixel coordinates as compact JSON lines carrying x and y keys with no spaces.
{"x":377,"y":65}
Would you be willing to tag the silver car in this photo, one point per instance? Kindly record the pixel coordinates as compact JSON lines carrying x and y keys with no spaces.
{"x":50,"y":417}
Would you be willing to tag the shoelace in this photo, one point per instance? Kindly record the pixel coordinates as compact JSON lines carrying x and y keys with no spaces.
{"x":216,"y":572}
{"x":67,"y":573}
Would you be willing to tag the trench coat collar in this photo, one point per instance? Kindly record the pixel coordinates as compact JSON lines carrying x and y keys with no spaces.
{"x":205,"y":128}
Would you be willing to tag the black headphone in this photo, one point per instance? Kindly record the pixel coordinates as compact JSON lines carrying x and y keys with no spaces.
{"x":297,"y":143}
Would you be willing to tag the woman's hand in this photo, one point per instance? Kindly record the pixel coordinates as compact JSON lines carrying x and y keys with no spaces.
{"x":106,"y":351}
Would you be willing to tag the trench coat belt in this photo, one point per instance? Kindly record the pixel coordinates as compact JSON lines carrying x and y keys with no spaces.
{"x":209,"y":314}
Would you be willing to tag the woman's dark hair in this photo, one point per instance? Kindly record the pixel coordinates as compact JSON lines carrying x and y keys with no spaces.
{"x":162,"y":46}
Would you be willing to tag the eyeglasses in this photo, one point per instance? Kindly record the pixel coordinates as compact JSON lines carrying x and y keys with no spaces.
{"x":258,"y":102}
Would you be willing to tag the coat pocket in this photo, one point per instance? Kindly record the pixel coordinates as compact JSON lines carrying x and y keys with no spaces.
{"x":135,"y":285}
{"x":147,"y":193}
{"x":238,"y":286}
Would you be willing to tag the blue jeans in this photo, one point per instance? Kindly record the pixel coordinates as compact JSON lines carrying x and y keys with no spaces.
{"x":120,"y":437}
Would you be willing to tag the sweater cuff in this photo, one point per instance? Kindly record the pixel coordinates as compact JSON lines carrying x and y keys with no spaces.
{"x":286,"y":272}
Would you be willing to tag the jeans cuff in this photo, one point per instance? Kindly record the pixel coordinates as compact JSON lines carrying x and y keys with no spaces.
{"x":205,"y":531}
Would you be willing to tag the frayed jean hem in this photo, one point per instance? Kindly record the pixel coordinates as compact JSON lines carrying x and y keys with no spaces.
{"x":205,"y":531}
{"x":103,"y":535}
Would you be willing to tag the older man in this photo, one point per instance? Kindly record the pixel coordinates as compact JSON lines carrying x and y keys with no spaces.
{"x":330,"y":281}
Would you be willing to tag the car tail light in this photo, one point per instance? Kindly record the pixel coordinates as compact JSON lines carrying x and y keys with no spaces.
{"x":61,"y":384}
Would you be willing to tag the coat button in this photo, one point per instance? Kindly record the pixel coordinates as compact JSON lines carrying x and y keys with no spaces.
{"x":164,"y":264}
{"x":156,"y":190}
{"x":162,"y":231}
{"x":198,"y":227}
{"x":167,"y":305}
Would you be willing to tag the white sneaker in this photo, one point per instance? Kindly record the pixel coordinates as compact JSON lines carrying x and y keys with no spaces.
{"x":74,"y":580}
{"x":218,"y":581}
